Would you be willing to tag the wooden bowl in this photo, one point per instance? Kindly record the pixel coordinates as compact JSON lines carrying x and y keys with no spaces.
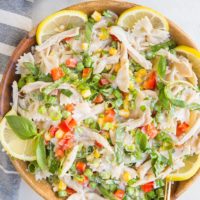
{"x":42,"y":187}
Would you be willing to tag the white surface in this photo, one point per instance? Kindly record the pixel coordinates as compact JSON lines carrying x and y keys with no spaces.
{"x":185,"y":13}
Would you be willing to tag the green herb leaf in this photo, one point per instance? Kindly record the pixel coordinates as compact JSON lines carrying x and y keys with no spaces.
{"x":88,"y":31}
{"x":158,"y":162}
{"x":53,"y":162}
{"x":106,"y":193}
{"x":66,"y":92}
{"x":41,"y":154}
{"x":161,"y":66}
{"x":107,"y":13}
{"x":141,"y":140}
{"x":23,"y":128}
{"x":169,"y":44}
{"x":173,"y":100}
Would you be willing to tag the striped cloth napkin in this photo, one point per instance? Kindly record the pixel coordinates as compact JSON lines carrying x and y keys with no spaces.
{"x":15,"y":22}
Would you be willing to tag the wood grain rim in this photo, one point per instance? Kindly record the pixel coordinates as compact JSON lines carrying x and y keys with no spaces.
{"x":42,"y":187}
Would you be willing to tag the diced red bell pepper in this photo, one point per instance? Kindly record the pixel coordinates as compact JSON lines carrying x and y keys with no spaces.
{"x":109,"y":115}
{"x":57,"y":73}
{"x":181,"y":128}
{"x":71,"y":62}
{"x":72,"y":123}
{"x":103,"y":81}
{"x":86,"y":72}
{"x":70,"y":191}
{"x":81,"y":166}
{"x":68,"y":144}
{"x":98,"y":144}
{"x":119,"y":194}
{"x":67,"y":124}
{"x":150,"y":130}
{"x":53,"y":130}
{"x":150,"y":83}
{"x":64,"y":126}
{"x":98,"y":99}
{"x":148,"y":187}
{"x":59,"y":153}
{"x":68,"y":135}
{"x":114,"y":38}
{"x":69,"y":107}
{"x":67,"y":38}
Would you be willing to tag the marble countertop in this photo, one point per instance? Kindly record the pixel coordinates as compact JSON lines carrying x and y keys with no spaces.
{"x":184,"y":13}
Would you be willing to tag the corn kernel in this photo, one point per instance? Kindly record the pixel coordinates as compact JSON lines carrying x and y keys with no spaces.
{"x":100,"y":121}
{"x":96,"y":153}
{"x":126,"y":176}
{"x":112,"y":51}
{"x":124,"y":113}
{"x":96,"y":16}
{"x":142,"y":72}
{"x":103,"y":36}
{"x":59,"y":134}
{"x":47,"y":137}
{"x":117,"y":67}
{"x":131,"y":86}
{"x":86,"y":93}
{"x":62,"y":185}
{"x":126,"y":104}
{"x":84,"y":46}
{"x":138,"y":80}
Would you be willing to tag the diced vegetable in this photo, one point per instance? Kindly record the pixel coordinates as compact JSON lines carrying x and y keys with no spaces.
{"x":81,"y":166}
{"x":71,"y":62}
{"x":181,"y":128}
{"x":119,"y":194}
{"x":96,"y":16}
{"x":150,"y":130}
{"x":53,"y":130}
{"x":64,"y":125}
{"x":103,"y":81}
{"x":70,"y":191}
{"x":112,"y":51}
{"x":148,"y":187}
{"x":86,"y":72}
{"x":114,"y":38}
{"x":150,"y":83}
{"x":57,"y":73}
{"x":59,"y":153}
{"x":69,"y":107}
{"x":98,"y":99}
{"x":109,"y":115}
{"x":98,"y":144}
{"x":86,"y":93}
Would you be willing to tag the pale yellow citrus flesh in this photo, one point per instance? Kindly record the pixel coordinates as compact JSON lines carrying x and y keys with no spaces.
{"x":13,"y":145}
{"x":129,"y":17}
{"x":193,"y":56}
{"x":192,"y":165}
{"x":59,"y":22}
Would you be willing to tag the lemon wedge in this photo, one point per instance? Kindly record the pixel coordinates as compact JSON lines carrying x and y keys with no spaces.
{"x":192,"y":55}
{"x":129,"y":17}
{"x":192,"y":165}
{"x":59,"y":22}
{"x":13,"y":145}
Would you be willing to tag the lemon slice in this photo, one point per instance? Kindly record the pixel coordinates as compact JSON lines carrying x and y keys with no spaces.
{"x":192,"y":165}
{"x":13,"y":145}
{"x":59,"y":22}
{"x":193,"y":56}
{"x":129,"y":17}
